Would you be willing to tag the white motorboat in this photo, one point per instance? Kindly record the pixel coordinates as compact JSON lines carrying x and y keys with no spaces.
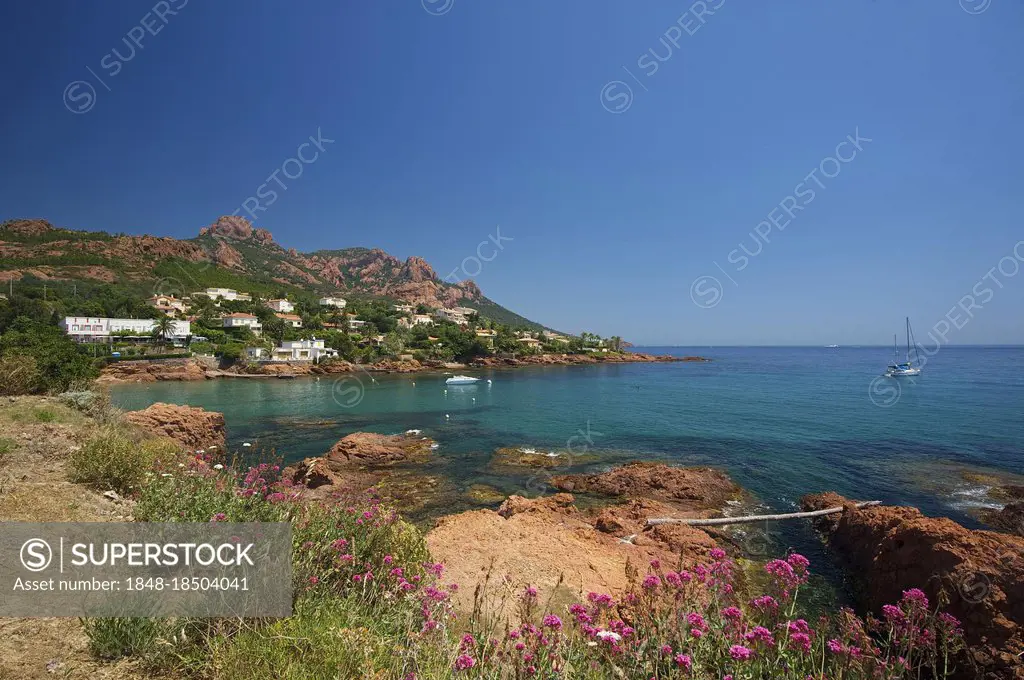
{"x":461,"y":380}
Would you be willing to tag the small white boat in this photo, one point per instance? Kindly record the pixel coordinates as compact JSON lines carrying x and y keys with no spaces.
{"x":461,"y":380}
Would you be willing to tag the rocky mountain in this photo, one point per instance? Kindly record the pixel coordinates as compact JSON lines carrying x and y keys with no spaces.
{"x":230,"y":252}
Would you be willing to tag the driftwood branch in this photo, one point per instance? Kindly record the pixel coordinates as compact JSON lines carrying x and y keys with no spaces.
{"x":717,"y":521}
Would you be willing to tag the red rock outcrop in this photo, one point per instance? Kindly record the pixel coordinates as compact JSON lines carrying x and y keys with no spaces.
{"x":226,"y":256}
{"x":1010,"y":518}
{"x":892,"y":549}
{"x":192,"y":427}
{"x":152,"y":371}
{"x":376,"y":450}
{"x":237,"y":228}
{"x":549,"y":544}
{"x":686,"y":488}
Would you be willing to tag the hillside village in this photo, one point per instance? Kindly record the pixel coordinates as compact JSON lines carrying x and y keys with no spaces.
{"x":240,"y":326}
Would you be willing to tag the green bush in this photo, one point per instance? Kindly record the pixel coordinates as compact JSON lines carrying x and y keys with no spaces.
{"x":112,"y":459}
{"x":114,"y":638}
{"x":41,"y":359}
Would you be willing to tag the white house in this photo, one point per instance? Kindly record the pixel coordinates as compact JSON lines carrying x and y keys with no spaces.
{"x":225,"y":294}
{"x":404,"y":309}
{"x":331,"y":301}
{"x":282,"y":306}
{"x":242,"y":320}
{"x":293,"y":320}
{"x":303,"y":350}
{"x":422,"y":319}
{"x":91,"y":327}
{"x":354,"y":321}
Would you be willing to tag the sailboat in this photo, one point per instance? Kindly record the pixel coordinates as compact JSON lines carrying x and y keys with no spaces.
{"x":897,"y":368}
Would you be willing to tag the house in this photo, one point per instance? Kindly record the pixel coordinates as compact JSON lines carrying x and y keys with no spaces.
{"x":168,"y":304}
{"x":242,"y":320}
{"x":529,"y":342}
{"x":293,"y":320}
{"x":404,"y":309}
{"x":302,"y":350}
{"x":225,"y":294}
{"x":423,"y":319}
{"x":354,"y":321}
{"x":487,"y":335}
{"x":455,"y":315}
{"x":85,"y":328}
{"x":256,"y":353}
{"x":331,"y":301}
{"x":555,"y":337}
{"x":282,"y":306}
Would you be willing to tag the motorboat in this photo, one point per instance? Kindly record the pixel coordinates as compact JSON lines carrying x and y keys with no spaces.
{"x":461,"y":380}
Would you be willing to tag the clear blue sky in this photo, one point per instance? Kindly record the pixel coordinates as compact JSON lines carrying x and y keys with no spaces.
{"x":490,"y":114}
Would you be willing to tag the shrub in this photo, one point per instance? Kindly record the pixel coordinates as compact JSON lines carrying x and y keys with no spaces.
{"x":57,"y":362}
{"x":114,"y":638}
{"x":111,"y":459}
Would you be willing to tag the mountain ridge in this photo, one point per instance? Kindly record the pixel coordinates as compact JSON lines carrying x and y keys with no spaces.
{"x":230,"y":249}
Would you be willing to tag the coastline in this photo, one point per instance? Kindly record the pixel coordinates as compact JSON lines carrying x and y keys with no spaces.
{"x":154,"y":370}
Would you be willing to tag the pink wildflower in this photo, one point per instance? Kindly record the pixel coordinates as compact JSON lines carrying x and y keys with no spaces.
{"x":553,"y":622}
{"x":739,"y":652}
{"x":464,"y":662}
{"x":684,"y":660}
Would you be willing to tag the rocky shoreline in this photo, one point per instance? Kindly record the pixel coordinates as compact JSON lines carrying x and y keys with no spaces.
{"x":566,"y":548}
{"x":156,"y":370}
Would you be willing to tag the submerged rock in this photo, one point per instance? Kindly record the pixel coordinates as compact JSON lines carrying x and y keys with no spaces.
{"x":484,"y":493}
{"x":892,"y":549}
{"x":530,"y":457}
{"x":688,"y":488}
{"x":191,"y":427}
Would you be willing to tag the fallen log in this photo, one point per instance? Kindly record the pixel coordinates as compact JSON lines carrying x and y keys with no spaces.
{"x":718,"y":521}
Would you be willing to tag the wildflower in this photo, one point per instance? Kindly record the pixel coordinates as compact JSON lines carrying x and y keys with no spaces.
{"x":739,"y":652}
{"x":219,"y":517}
{"x":836,"y":647}
{"x":672,"y":578}
{"x":761,"y":634}
{"x":467,"y":641}
{"x":798,"y":562}
{"x":513,"y":634}
{"x":915,"y":597}
{"x":696,"y":621}
{"x":717,"y":554}
{"x":388,"y":559}
{"x":651,"y":581}
{"x":314,"y":580}
{"x":765,"y":603}
{"x":553,"y":622}
{"x":464,"y":662}
{"x":396,"y":572}
{"x":608,"y":635}
{"x":655,"y":564}
{"x":950,"y":623}
{"x":893,"y":614}
{"x":732,"y":613}
{"x":684,"y":660}
{"x":666,"y":650}
{"x":530,"y":593}
{"x":800,"y":641}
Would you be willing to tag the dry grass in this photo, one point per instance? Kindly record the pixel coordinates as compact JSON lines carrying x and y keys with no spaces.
{"x":39,"y":433}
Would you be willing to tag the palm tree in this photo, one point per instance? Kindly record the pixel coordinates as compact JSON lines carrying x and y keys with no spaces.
{"x":163,"y":328}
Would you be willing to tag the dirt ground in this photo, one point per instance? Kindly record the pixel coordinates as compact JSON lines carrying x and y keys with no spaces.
{"x":36,"y":436}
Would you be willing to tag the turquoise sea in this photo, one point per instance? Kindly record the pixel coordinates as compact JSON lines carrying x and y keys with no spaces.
{"x":782,"y":421}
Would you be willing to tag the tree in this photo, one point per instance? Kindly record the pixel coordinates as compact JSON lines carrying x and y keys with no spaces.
{"x":163,"y":328}
{"x":52,"y":361}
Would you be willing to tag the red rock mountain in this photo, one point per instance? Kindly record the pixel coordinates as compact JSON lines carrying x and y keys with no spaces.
{"x":36,"y":249}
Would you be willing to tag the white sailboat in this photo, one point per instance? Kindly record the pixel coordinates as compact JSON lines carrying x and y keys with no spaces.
{"x":899,"y":369}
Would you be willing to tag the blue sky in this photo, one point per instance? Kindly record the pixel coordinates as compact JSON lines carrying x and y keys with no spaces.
{"x":452,"y":119}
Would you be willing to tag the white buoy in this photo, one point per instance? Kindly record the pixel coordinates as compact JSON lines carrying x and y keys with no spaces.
{"x":246,"y":444}
{"x":446,"y":416}
{"x":488,"y":381}
{"x":474,"y":400}
{"x":414,"y":383}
